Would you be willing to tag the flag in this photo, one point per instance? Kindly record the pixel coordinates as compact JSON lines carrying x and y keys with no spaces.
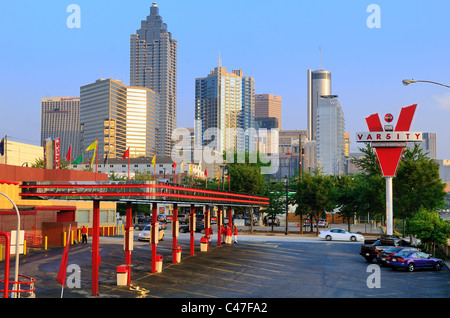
{"x":93,"y":146}
{"x":190,"y":169}
{"x":218,"y":175}
{"x":126,"y":154}
{"x":69,"y":154}
{"x":154,"y":161}
{"x":63,"y":267}
{"x":78,"y":160}
{"x":93,"y":158}
{"x":206,"y":172}
{"x":105,"y":161}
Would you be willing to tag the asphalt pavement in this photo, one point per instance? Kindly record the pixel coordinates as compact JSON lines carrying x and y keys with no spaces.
{"x":232,"y":264}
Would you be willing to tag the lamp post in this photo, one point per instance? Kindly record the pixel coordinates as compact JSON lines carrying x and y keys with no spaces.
{"x":16,"y":273}
{"x":406,"y":82}
{"x":286,"y":182}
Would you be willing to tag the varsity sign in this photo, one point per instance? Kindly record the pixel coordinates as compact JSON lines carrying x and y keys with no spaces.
{"x":389,"y":136}
{"x":389,"y":142}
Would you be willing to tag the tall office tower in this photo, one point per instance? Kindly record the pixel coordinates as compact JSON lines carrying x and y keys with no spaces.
{"x":153,"y":64}
{"x":428,"y":145}
{"x":60,"y":117}
{"x":330,"y":135}
{"x":319,"y":84}
{"x":268,"y":105}
{"x":225,"y":101}
{"x":121,"y":117}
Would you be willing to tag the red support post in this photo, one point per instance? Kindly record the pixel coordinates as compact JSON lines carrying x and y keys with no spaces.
{"x":175,"y":247}
{"x":219,"y":225}
{"x":127,"y":241}
{"x":207,"y":221}
{"x":7,"y":251}
{"x":153,"y":236}
{"x":95,"y":247}
{"x":192,"y":222}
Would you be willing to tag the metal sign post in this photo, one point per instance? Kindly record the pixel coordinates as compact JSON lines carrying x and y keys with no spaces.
{"x":388,"y":144}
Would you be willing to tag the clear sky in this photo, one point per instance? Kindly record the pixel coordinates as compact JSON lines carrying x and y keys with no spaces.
{"x":275,"y":42}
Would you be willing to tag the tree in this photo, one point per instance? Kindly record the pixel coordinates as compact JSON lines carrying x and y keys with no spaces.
{"x":429,"y":228}
{"x":277,"y":195}
{"x":417,"y":184}
{"x":315,"y":195}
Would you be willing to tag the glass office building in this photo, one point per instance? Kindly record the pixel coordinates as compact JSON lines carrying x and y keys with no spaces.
{"x":60,"y":117}
{"x":153,"y":64}
{"x":121,"y":117}
{"x":330,"y":135}
{"x":224,"y":111}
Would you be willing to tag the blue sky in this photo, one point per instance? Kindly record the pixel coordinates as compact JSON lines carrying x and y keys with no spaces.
{"x":275,"y":42}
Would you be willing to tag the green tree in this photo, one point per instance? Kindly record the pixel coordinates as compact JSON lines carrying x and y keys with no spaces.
{"x":429,"y":228}
{"x":417,"y":184}
{"x":276,"y":193}
{"x":315,"y":195}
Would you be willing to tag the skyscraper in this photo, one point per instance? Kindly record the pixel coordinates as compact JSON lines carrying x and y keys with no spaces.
{"x":153,"y":64}
{"x":121,"y":117}
{"x":225,"y":101}
{"x":60,"y":117}
{"x":268,"y":106}
{"x":330,"y":135}
{"x":319,"y":84}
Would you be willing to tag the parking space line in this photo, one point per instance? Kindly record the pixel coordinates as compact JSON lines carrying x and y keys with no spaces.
{"x":242,"y":265}
{"x":223,"y":278}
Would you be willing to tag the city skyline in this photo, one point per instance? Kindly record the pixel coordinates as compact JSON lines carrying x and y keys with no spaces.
{"x":368,"y":64}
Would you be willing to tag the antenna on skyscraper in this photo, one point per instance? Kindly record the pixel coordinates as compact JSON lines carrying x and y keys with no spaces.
{"x":320,"y":57}
{"x":220,"y":60}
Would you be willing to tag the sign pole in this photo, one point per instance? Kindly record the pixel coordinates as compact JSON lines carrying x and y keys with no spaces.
{"x":389,"y":206}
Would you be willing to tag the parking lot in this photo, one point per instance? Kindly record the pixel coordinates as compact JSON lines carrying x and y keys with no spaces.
{"x":258,"y":267}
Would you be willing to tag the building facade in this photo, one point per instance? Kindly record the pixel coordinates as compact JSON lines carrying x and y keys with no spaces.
{"x":224,"y":111}
{"x":268,"y":106}
{"x":330,"y":136}
{"x":121,"y":117}
{"x":318,"y":84}
{"x":60,"y":117}
{"x":153,"y":64}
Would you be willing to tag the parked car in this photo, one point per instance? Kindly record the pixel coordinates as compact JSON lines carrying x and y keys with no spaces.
{"x":269,"y":220}
{"x":199,"y":227}
{"x":183,"y":218}
{"x":388,"y":253}
{"x":162,"y":218}
{"x":340,"y":234}
{"x":322,"y":223}
{"x":412,"y":260}
{"x":147,"y":231}
{"x":370,"y":249}
{"x":140,"y":226}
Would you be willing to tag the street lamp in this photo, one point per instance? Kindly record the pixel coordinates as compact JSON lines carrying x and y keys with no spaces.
{"x":286,"y":182}
{"x":406,"y":82}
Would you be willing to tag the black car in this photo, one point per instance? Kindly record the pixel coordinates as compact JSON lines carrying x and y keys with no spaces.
{"x":183,"y":218}
{"x":199,"y":228}
{"x":140,"y":226}
{"x":388,"y":253}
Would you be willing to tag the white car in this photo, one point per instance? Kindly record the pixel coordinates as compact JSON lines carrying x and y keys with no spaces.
{"x":144,"y":235}
{"x":340,"y":234}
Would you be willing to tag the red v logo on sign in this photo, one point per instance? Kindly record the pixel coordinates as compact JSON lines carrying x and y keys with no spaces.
{"x":389,"y":157}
